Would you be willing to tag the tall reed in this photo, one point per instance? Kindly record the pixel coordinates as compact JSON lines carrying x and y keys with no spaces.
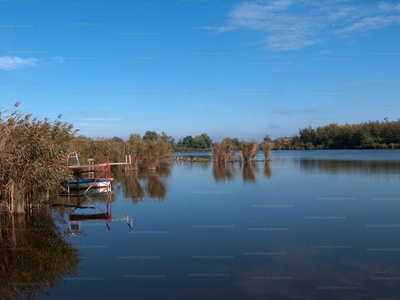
{"x":155,"y":151}
{"x":149,"y":152}
{"x":97,"y":148}
{"x":32,"y":158}
{"x":135,"y":147}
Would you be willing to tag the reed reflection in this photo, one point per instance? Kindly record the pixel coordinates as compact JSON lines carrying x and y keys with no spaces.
{"x":155,"y":187}
{"x":267,"y":170}
{"x":33,"y":255}
{"x":136,"y":185}
{"x":132,"y":188}
{"x":249,"y":172}
{"x":223,"y":171}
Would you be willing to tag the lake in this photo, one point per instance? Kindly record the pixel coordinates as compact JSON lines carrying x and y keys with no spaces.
{"x":307,"y":225}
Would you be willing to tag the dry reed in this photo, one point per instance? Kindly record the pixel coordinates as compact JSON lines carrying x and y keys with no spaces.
{"x":249,"y":150}
{"x":267,"y":147}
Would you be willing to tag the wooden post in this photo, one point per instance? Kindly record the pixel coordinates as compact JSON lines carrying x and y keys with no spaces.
{"x":11,"y":196}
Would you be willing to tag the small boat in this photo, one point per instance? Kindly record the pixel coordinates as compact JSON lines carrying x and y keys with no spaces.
{"x":84,"y":183}
{"x":91,"y":192}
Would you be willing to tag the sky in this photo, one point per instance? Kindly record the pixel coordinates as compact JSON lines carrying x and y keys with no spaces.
{"x":227,"y":68}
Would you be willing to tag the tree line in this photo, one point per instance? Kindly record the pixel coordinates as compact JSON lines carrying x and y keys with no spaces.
{"x":368,"y":135}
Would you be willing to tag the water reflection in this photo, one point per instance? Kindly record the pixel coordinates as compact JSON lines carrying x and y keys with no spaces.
{"x":359,"y":167}
{"x":33,"y":255}
{"x":249,"y":172}
{"x":267,"y":170}
{"x":223,"y":172}
{"x":298,"y":270}
{"x":136,"y":185}
{"x":131,"y":187}
{"x":155,"y":187}
{"x":294,"y":243}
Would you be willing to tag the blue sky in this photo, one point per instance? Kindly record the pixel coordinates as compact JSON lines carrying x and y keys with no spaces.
{"x":228,"y":68}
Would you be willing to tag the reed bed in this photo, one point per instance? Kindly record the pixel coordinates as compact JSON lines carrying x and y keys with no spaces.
{"x":88,"y":148}
{"x":32,"y":158}
{"x":154,"y":152}
{"x":148,"y":152}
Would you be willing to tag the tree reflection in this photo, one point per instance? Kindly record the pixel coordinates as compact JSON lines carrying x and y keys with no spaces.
{"x":33,"y":256}
{"x":223,"y":172}
{"x":360,"y":167}
{"x":249,"y":172}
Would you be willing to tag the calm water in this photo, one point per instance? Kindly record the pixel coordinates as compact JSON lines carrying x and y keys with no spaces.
{"x":308,"y":225}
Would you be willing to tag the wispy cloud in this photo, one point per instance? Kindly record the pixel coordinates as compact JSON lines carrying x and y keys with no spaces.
{"x":14,"y":62}
{"x":290,"y":25}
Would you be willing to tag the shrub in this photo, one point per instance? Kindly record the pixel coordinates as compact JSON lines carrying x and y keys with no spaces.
{"x":267,"y":147}
{"x":222,"y":151}
{"x":249,"y":150}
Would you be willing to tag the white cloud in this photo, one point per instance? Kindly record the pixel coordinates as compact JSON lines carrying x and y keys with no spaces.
{"x":290,"y":25}
{"x":14,"y":62}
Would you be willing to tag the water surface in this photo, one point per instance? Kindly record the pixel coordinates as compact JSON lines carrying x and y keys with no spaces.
{"x":308,"y":225}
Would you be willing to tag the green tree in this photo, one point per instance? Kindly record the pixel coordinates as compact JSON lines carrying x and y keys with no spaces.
{"x":199,"y":142}
{"x":180,"y":143}
{"x":169,"y":139}
{"x":188,"y":141}
{"x":267,"y":138}
{"x":207,"y":140}
{"x":150,"y":135}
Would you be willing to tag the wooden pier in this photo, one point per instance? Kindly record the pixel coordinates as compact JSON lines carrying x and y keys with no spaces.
{"x":101,"y":214}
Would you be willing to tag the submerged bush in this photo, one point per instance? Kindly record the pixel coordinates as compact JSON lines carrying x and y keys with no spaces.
{"x":222,"y":151}
{"x":267,"y":147}
{"x":249,"y":150}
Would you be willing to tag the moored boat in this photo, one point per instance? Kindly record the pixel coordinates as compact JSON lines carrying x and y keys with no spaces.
{"x":84,"y":183}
